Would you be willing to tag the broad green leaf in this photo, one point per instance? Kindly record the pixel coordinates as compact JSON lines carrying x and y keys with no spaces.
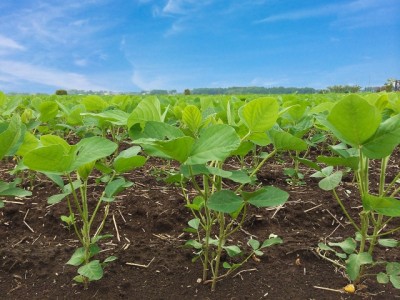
{"x":77,"y":258}
{"x":285,"y":141}
{"x":149,"y":109}
{"x":110,"y":259}
{"x":49,"y":139}
{"x":94,"y":103}
{"x":48,"y":110}
{"x":239,"y":176}
{"x":330,"y":182}
{"x":194,"y":244}
{"x":260,"y":114}
{"x":92,"y":149}
{"x":57,"y":198}
{"x":382,"y":278}
{"x":390,"y":243}
{"x":191,"y":116}
{"x":219,"y":172}
{"x":271,"y":241}
{"x":393,"y":268}
{"x":232,"y":250}
{"x":351,"y":162}
{"x":355,"y":261}
{"x":116,"y":186}
{"x":215,"y":143}
{"x":85,"y":170}
{"x":128,"y":160}
{"x":225,"y":201}
{"x":30,"y":142}
{"x":9,"y":189}
{"x":178,"y":149}
{"x":354,"y":120}
{"x":386,"y":206}
{"x":395,"y":280}
{"x":244,"y":148}
{"x":158,"y":131}
{"x":385,"y":140}
{"x":10,"y":135}
{"x":51,"y":159}
{"x":194,"y":223}
{"x":349,"y":245}
{"x":325,"y":172}
{"x":115,"y":116}
{"x":254,"y":244}
{"x":266,"y":197}
{"x":93,"y":270}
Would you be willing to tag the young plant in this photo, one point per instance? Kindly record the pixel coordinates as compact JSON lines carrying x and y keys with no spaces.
{"x":55,"y":158}
{"x":11,"y":134}
{"x":201,"y":150}
{"x":359,"y":124}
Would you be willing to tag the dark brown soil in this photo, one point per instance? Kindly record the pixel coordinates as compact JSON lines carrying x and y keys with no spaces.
{"x":150,"y":217}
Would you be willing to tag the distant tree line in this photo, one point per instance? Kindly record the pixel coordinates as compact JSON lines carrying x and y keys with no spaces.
{"x":253,"y":90}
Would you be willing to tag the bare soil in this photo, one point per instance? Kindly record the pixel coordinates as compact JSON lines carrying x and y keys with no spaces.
{"x":147,"y":224}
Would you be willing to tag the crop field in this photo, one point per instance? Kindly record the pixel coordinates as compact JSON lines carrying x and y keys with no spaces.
{"x":200,"y":197}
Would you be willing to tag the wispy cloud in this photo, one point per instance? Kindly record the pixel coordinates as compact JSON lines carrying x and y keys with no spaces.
{"x":45,"y":76}
{"x":8,"y":43}
{"x":355,"y":13}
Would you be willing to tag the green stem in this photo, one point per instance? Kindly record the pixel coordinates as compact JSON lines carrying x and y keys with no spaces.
{"x":339,"y":201}
{"x":221,"y":242}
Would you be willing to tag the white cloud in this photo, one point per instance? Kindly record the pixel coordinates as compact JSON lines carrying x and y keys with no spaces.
{"x":81,"y":62}
{"x":8,"y":43}
{"x":355,"y":13}
{"x":45,"y":76}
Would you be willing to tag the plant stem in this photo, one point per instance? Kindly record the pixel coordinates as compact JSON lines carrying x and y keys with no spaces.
{"x":221,"y":242}
{"x":339,"y":201}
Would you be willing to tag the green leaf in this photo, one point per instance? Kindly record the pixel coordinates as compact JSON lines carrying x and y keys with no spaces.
{"x":94,"y":103}
{"x":85,"y":170}
{"x":386,"y":206}
{"x":194,"y":244}
{"x":225,"y":201}
{"x":266,"y":197}
{"x":77,"y":258}
{"x":116,"y":186}
{"x":393,"y":268}
{"x":351,"y":162}
{"x":330,"y":182}
{"x":226,"y":265}
{"x":254,"y":244}
{"x":191,"y":116}
{"x":260,"y":114}
{"x":285,"y":141}
{"x":1,"y":203}
{"x":128,"y":160}
{"x":92,"y":149}
{"x":385,"y":140}
{"x":349,"y":245}
{"x":93,"y":270}
{"x":353,"y":120}
{"x":110,"y":259}
{"x":271,"y":241}
{"x":389,"y":243}
{"x":10,"y":136}
{"x":354,"y":263}
{"x":48,"y":110}
{"x":29,"y":143}
{"x":194,"y":223}
{"x":149,"y":109}
{"x":51,"y":159}
{"x":382,"y":278}
{"x":57,"y":198}
{"x":395,"y":280}
{"x":232,"y":250}
{"x":178,"y":149}
{"x":215,"y":143}
{"x":325,"y":172}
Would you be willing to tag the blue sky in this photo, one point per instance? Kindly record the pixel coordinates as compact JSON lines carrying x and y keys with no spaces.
{"x":127,"y":45}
